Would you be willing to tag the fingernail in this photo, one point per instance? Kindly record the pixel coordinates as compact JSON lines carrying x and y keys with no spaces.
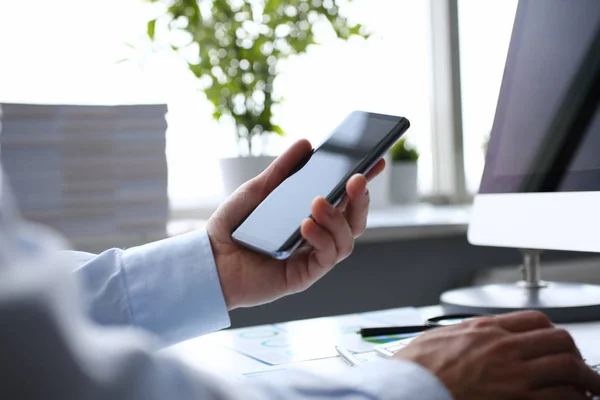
{"x":330,"y":209}
{"x":328,"y":206}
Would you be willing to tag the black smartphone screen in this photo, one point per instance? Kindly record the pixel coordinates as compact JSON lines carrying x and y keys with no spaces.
{"x":273,"y":226}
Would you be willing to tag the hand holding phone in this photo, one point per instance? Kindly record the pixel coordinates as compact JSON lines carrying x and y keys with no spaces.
{"x":355,"y":146}
{"x":249,"y":278}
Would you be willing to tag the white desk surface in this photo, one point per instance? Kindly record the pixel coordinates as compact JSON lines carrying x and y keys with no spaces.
{"x":294,"y":344}
{"x":309,"y":344}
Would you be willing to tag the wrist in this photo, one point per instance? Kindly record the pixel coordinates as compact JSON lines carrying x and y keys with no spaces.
{"x":227,"y":282}
{"x":229,"y":294}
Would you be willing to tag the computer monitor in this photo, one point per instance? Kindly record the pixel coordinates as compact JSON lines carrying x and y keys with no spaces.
{"x":541,"y":183}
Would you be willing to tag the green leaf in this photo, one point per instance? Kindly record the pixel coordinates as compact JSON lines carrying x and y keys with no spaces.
{"x":271,"y":6}
{"x":278,"y":130}
{"x":151,"y":28}
{"x":402,"y":151}
{"x":214,"y":29}
{"x":356,"y":30}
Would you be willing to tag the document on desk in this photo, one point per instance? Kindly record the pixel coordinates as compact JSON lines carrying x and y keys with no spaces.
{"x":313,"y":339}
{"x":585,"y":335}
{"x":324,"y":366}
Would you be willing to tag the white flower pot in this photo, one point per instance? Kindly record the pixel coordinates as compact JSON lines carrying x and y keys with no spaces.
{"x":379,"y":187}
{"x":237,"y":170}
{"x":404,"y":182}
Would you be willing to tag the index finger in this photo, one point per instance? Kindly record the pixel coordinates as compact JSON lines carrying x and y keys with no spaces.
{"x":522,"y":321}
{"x":357,"y":207}
{"x":356,"y":203}
{"x":560,"y":369}
{"x":376,"y":170}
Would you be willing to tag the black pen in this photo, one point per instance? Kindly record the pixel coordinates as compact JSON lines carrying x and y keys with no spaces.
{"x":393,"y":330}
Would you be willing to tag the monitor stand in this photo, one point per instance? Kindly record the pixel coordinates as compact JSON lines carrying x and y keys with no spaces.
{"x":561,"y":302}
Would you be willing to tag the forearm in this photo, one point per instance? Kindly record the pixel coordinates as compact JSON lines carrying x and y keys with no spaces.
{"x":170,"y":288}
{"x":51,"y":351}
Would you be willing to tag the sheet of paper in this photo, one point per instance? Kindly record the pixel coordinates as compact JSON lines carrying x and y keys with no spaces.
{"x":202,"y":353}
{"x":275,"y":349}
{"x":323,"y":367}
{"x":312,"y":339}
{"x":586,"y":336}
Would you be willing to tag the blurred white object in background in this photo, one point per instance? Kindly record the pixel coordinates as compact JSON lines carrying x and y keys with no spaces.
{"x":379,"y":188}
{"x":236,"y":171}
{"x":404,"y":182}
{"x":24,"y":244}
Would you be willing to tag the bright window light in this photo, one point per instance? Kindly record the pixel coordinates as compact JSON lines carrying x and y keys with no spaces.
{"x":67,"y":52}
{"x":485,"y":27}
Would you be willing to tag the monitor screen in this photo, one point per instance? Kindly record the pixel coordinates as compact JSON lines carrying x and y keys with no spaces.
{"x":546,"y":133}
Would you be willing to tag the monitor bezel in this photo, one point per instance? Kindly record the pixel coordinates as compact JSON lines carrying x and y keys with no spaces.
{"x":565,"y":220}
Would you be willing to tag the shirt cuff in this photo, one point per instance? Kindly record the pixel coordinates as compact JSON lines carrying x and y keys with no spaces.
{"x":174,"y":288}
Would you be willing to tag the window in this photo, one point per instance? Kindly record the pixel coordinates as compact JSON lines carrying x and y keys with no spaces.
{"x":388,"y":73}
{"x":71,"y":57}
{"x":485,"y":27}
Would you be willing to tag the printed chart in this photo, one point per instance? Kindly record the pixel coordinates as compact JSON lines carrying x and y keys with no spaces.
{"x":314,"y":339}
{"x":324,"y":367}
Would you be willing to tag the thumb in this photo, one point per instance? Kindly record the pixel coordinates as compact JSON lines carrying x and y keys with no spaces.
{"x":248,"y":196}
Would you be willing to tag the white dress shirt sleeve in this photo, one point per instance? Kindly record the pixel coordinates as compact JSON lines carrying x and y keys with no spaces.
{"x":50,"y":350}
{"x":170,"y":288}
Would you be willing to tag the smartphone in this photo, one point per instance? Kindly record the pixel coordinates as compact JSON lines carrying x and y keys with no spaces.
{"x":355,"y":146}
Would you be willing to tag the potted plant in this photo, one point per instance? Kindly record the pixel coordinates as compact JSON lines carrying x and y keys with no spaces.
{"x":234,"y":49}
{"x":404,"y":174}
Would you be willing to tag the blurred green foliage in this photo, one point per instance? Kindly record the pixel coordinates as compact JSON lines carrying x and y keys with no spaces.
{"x":402,"y":152}
{"x":239,"y":44}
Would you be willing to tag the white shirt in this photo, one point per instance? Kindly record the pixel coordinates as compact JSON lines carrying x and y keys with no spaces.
{"x":93,"y":334}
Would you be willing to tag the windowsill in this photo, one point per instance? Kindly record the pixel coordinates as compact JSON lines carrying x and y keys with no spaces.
{"x":416,"y":222}
{"x":385,"y":224}
{"x":395,"y":223}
